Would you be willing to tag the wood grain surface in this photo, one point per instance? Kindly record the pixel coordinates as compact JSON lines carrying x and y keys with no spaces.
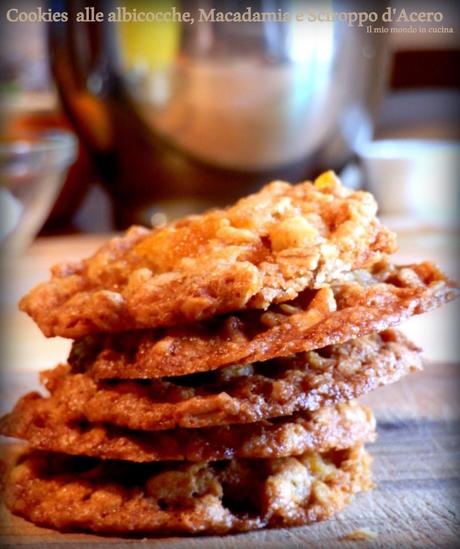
{"x":415,"y":502}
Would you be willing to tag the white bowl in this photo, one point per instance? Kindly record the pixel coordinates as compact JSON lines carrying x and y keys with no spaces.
{"x":413,"y":176}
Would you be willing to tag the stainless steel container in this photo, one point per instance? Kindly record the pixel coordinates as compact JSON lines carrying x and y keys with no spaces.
{"x":179,"y":116}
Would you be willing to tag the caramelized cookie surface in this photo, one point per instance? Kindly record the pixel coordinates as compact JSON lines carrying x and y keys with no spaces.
{"x":265,"y":249}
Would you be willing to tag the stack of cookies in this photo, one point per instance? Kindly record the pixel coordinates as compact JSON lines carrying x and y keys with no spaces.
{"x":211,"y":383}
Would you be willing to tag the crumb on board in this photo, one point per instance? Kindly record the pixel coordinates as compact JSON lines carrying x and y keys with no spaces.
{"x":360,"y":534}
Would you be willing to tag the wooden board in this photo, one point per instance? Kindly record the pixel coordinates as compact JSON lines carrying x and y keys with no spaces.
{"x":415,"y":503}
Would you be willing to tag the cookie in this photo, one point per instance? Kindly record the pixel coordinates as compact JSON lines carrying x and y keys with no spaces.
{"x":333,"y":427}
{"x":364,"y":302}
{"x":238,"y":394}
{"x":265,"y":249}
{"x":114,"y":497}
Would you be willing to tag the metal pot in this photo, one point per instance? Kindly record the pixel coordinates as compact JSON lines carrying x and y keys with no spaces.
{"x":179,"y":116}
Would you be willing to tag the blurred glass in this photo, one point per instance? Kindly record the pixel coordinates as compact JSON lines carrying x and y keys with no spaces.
{"x":32,"y":171}
{"x":26,"y":86}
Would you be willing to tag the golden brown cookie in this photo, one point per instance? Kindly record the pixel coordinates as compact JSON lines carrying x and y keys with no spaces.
{"x":333,"y":427}
{"x":69,"y":493}
{"x":265,"y":249}
{"x":243,"y":394}
{"x":364,"y":302}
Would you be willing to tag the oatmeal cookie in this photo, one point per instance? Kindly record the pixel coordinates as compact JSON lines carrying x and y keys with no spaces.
{"x":236,"y":394}
{"x":363,"y":303}
{"x":114,"y":497}
{"x":333,"y":427}
{"x":265,"y":249}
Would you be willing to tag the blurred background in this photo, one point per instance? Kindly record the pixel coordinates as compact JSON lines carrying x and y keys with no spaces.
{"x":173,"y":118}
{"x":108,"y":124}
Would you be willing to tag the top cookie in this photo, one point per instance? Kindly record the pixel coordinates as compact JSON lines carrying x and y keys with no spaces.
{"x":265,"y":249}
